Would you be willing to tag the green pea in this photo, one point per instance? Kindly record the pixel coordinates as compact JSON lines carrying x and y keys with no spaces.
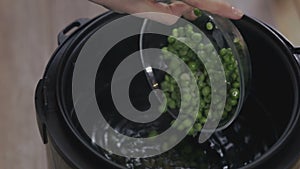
{"x":193,"y":66}
{"x":197,"y":37}
{"x":228,"y":107}
{"x":178,"y":45}
{"x":217,"y":98}
{"x":201,"y":54}
{"x":209,"y":48}
{"x":171,"y":39}
{"x":165,"y":146}
{"x":201,"y":78}
{"x":153,"y":133}
{"x":223,"y":51}
{"x":187,"y":97}
{"x":202,"y":104}
{"x":191,"y":132}
{"x":197,"y":12}
{"x":197,"y":126}
{"x":203,"y":120}
{"x":172,"y":49}
{"x":185,"y":47}
{"x":230,"y":67}
{"x":189,"y":27}
{"x":234,"y":93}
{"x":219,"y":106}
{"x":225,"y":114}
{"x":232,"y":60}
{"x":190,"y":108}
{"x":183,"y":52}
{"x":172,"y":81}
{"x":234,"y":76}
{"x":189,"y":33}
{"x":185,"y":59}
{"x":233,"y":102}
{"x":227,"y":74}
{"x":167,"y":78}
{"x":187,"y":123}
{"x":207,"y":99}
{"x":164,"y":85}
{"x":236,"y":85}
{"x":227,"y":58}
{"x":206,"y":91}
{"x":190,"y":54}
{"x":181,"y":32}
{"x":186,"y":84}
{"x":175,"y":33}
{"x":165,"y":51}
{"x":236,"y":40}
{"x":201,"y":46}
{"x":209,"y":26}
{"x":238,"y":80}
{"x":171,"y":103}
{"x":173,"y":65}
{"x":199,"y":115}
{"x":236,"y":64}
{"x":171,"y":88}
{"x":185,"y":77}
{"x":201,"y":85}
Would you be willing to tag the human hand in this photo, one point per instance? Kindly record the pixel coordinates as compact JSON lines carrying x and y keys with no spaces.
{"x":179,"y":8}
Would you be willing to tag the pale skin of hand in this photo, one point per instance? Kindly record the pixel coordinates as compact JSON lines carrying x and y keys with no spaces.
{"x":178,"y":8}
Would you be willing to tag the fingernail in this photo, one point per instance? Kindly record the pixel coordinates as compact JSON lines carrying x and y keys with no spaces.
{"x":237,"y":12}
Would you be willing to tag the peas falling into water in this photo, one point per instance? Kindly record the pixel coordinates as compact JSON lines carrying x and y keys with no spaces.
{"x":189,"y":154}
{"x":206,"y":50}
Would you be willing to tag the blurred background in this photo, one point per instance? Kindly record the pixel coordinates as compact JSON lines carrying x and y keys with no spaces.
{"x":28,"y":30}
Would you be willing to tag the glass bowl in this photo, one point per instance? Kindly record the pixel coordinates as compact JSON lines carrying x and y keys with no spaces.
{"x":218,"y":58}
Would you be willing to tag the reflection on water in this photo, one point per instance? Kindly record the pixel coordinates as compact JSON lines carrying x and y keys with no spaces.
{"x":246,"y":140}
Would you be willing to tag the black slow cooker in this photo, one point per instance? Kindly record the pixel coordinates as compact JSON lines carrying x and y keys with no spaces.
{"x":265,"y":134}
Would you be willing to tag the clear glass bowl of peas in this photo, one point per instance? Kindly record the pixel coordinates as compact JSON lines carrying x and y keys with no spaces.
{"x":197,"y":43}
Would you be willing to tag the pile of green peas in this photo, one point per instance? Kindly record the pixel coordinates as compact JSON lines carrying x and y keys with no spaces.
{"x":177,"y":45}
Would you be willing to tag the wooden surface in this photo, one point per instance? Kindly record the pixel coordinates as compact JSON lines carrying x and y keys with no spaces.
{"x":28,"y":30}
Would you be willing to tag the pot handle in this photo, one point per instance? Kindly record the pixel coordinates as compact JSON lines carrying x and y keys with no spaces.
{"x":64,"y":34}
{"x":297,"y":54}
{"x":40,"y":107}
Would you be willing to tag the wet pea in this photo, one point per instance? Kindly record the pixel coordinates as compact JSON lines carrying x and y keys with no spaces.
{"x":209,"y":26}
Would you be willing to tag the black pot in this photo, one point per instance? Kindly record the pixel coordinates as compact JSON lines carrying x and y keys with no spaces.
{"x":265,"y":135}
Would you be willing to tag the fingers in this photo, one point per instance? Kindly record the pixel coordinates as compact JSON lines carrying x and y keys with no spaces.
{"x":150,"y":9}
{"x":175,"y":10}
{"x":219,"y":7}
{"x":190,"y":15}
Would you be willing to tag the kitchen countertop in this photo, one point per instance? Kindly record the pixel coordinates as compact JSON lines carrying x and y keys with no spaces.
{"x":28,"y":32}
